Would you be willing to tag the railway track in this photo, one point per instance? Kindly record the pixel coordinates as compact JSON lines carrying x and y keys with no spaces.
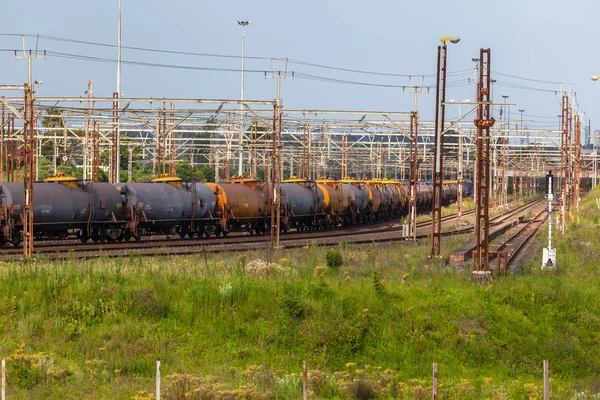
{"x":516,"y":242}
{"x":381,"y":232}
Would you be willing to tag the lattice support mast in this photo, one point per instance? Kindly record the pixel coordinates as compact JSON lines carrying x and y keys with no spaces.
{"x":483,"y":123}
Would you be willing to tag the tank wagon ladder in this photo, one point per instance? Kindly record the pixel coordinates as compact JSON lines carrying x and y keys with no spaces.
{"x":88,"y":233}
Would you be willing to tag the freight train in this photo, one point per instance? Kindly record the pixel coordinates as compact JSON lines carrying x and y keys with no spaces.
{"x":168,"y":205}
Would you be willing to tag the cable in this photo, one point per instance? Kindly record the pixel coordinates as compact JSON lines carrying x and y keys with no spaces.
{"x":294,"y":61}
{"x":526,"y":79}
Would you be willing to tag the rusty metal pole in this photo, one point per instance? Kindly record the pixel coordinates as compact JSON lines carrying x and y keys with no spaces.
{"x":252,"y":160}
{"x":483,"y":122}
{"x":459,"y":178}
{"x":278,"y":173}
{"x":563,"y":160}
{"x":114,"y":155}
{"x":28,"y":173}
{"x":172,"y":148}
{"x":273,"y":191}
{"x":13,"y":150}
{"x":414,"y":156}
{"x":95,"y":151}
{"x":344,"y":156}
{"x":569,"y":164}
{"x":2,"y":147}
{"x":438,"y":154}
{"x":577,"y":160}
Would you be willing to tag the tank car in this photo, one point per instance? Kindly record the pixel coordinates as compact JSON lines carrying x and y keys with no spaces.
{"x":168,"y":204}
{"x":375,"y":200}
{"x":61,"y":204}
{"x":300,"y":204}
{"x":357,"y":199}
{"x":242,"y":205}
{"x":332,"y":201}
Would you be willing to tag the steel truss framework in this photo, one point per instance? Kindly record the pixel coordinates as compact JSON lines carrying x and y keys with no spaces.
{"x":313,"y":143}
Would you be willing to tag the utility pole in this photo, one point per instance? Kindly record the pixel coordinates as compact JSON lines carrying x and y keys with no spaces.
{"x":577,"y":159}
{"x":116,"y":156}
{"x":243,"y":24}
{"x":414,"y":159}
{"x":438,"y":154}
{"x":276,"y":156}
{"x":564,"y":161}
{"x":29,"y":55}
{"x":88,"y":125}
{"x":414,"y":156}
{"x":28,"y":173}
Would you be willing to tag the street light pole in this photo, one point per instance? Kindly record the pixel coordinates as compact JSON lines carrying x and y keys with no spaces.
{"x":438,"y":151}
{"x":243,"y":24}
{"x":117,"y":133}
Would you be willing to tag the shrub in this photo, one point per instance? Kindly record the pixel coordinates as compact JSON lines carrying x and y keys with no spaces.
{"x":292,"y":304}
{"x":333,"y":259}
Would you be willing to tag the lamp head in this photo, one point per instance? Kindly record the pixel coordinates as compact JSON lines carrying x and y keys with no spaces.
{"x":451,"y":39}
{"x":595,"y":77}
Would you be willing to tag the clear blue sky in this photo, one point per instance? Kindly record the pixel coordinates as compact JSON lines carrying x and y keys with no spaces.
{"x":548,"y":40}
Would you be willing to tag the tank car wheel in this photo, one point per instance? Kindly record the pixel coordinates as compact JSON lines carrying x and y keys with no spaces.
{"x":127,"y":236}
{"x":16,"y":242}
{"x":207,"y":234}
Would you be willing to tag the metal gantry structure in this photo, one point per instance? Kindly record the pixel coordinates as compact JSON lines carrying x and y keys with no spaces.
{"x":160,"y":133}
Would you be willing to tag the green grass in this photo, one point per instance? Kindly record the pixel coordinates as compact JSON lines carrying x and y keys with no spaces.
{"x":235,"y":328}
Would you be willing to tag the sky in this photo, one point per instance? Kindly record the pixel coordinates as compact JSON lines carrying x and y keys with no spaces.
{"x":535,"y":45}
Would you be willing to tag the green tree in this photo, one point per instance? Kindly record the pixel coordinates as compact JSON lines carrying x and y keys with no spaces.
{"x":188,"y":173}
{"x":208,"y":172}
{"x":53,"y":119}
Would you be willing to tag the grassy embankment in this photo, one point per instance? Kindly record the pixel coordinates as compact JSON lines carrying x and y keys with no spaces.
{"x":227,"y":327}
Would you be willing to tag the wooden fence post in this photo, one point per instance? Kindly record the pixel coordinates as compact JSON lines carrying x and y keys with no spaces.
{"x":3,"y":379}
{"x":434,"y":391}
{"x":546,"y":381}
{"x":304,"y":381}
{"x":157,"y":379}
